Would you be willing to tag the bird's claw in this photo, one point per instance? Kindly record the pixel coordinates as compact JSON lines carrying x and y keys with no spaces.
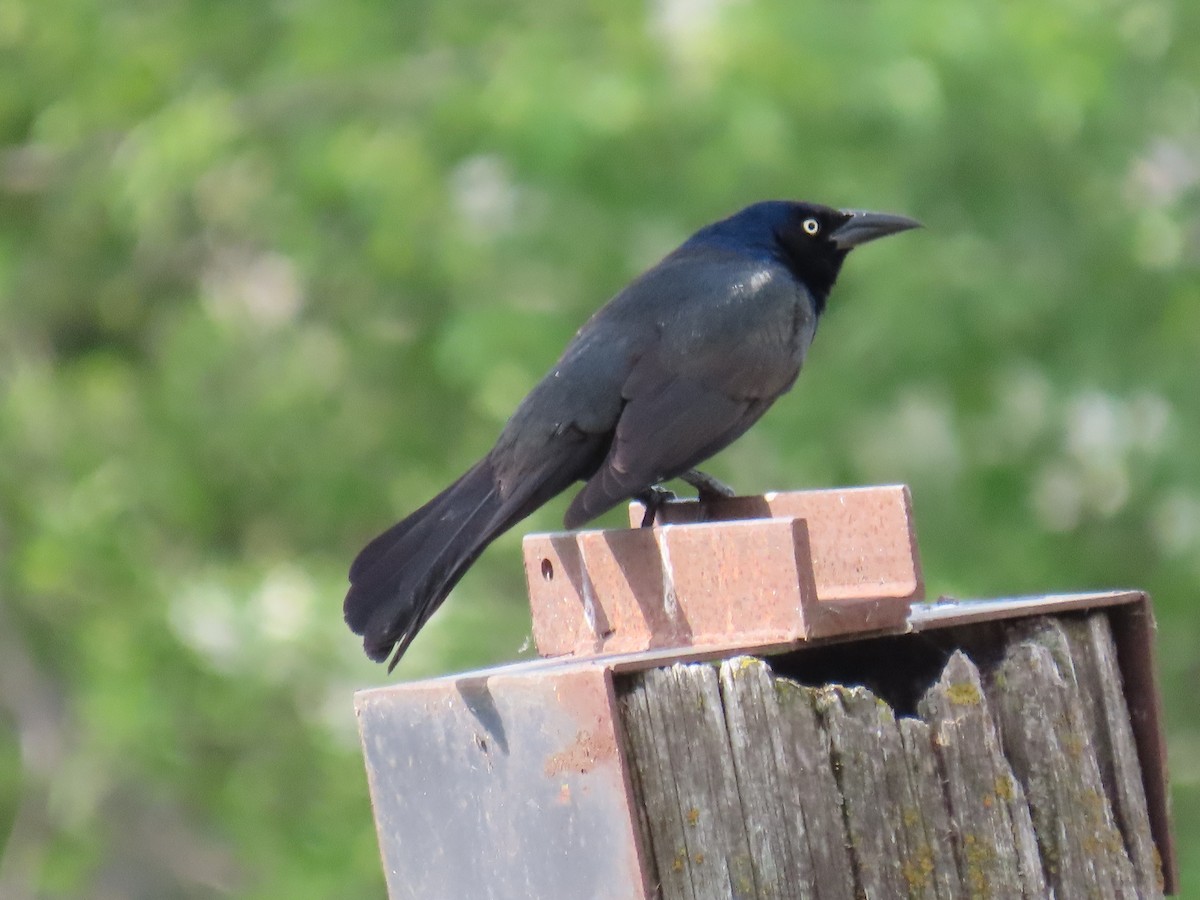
{"x":653,"y":498}
{"x":706,"y":486}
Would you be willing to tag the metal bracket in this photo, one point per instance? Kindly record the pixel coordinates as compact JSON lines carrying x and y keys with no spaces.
{"x":750,"y":571}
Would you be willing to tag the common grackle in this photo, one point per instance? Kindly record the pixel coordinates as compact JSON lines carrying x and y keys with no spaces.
{"x":671,"y":370}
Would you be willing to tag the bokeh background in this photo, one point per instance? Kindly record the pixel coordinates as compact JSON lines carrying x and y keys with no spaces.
{"x":273,"y":273}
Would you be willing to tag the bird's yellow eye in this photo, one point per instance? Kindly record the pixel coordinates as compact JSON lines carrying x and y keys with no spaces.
{"x":810,"y":226}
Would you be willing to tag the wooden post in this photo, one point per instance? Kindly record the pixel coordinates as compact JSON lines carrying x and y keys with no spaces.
{"x":751,"y":701}
{"x":756,"y":786}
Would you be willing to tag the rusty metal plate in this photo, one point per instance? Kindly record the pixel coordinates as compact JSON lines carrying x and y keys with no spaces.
{"x":863,"y":540}
{"x":504,"y":784}
{"x":746,"y":579}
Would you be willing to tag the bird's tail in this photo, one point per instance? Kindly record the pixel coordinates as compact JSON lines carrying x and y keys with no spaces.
{"x":402,"y":576}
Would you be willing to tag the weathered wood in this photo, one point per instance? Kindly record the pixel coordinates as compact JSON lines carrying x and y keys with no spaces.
{"x":814,"y":795}
{"x":933,"y":866}
{"x":1021,"y":783}
{"x":1046,"y":734}
{"x":893,"y":853}
{"x":852,"y":717}
{"x":653,"y":782}
{"x":774,"y":825}
{"x":699,"y":829}
{"x":1093,"y":653}
{"x":995,"y":844}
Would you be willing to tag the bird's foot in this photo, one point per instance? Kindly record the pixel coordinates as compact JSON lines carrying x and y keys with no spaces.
{"x":653,"y":498}
{"x":706,"y":486}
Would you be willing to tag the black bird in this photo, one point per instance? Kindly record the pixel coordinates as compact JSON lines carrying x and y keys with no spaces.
{"x":671,"y":370}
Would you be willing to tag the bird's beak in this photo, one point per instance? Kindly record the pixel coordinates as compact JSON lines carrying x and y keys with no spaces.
{"x":867,"y":226}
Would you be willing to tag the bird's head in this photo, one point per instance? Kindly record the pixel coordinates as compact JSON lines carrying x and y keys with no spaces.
{"x":810,"y":239}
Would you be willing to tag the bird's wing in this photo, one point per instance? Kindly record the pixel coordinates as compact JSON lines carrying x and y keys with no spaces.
{"x":720,"y":361}
{"x":660,"y":435}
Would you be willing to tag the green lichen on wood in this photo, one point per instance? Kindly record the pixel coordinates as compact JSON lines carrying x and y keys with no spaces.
{"x":918,"y":870}
{"x":978,"y":860}
{"x":964,"y":693}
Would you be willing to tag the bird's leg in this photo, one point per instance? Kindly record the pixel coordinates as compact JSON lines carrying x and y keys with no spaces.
{"x":652,"y":498}
{"x":706,"y":486}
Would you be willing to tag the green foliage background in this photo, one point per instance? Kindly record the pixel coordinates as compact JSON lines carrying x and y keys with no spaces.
{"x":273,"y":273}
